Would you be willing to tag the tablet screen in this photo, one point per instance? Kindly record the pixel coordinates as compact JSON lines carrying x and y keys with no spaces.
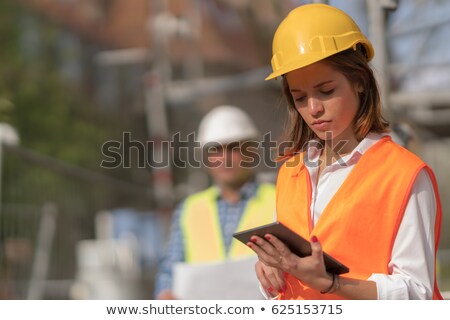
{"x":296,"y":243}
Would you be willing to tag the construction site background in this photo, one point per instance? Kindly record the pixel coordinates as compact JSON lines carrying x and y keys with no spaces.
{"x":77,"y":74}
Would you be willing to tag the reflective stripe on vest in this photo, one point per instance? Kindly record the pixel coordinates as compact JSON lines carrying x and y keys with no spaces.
{"x":360,"y":223}
{"x":200,"y":224}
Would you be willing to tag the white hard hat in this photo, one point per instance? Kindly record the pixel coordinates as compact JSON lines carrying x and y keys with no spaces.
{"x":8,"y":135}
{"x":225,"y":124}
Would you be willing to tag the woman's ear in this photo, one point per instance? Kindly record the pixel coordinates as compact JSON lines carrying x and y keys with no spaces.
{"x":359,"y":88}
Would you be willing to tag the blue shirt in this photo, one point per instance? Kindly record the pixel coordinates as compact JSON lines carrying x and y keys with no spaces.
{"x":229,"y":217}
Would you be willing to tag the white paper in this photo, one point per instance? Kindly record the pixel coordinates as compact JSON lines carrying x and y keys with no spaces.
{"x":229,"y":280}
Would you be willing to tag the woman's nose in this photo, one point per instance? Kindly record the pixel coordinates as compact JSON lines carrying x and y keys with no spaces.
{"x":315,"y":106}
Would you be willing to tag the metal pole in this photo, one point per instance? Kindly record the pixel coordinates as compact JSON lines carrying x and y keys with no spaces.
{"x":155,"y":104}
{"x":194,"y":62}
{"x":1,"y":177}
{"x":41,"y":261}
{"x":8,"y":137}
{"x":377,"y":34}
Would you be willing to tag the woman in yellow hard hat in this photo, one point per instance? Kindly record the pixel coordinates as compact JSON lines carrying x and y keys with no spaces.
{"x":345,"y":185}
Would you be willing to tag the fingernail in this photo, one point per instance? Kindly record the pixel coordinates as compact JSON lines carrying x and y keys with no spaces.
{"x":253,"y":239}
{"x":314,"y":239}
{"x":249,"y":244}
{"x":267,"y":237}
{"x":270,"y":289}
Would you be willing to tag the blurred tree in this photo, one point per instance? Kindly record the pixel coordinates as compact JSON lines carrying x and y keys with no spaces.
{"x":51,"y":116}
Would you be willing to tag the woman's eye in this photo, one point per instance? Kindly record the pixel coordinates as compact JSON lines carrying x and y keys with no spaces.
{"x":300,"y":99}
{"x":327,"y":92}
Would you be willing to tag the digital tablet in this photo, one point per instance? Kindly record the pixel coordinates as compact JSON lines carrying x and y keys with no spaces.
{"x":296,"y":243}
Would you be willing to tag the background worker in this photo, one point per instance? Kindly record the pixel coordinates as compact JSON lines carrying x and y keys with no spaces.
{"x":203,"y":224}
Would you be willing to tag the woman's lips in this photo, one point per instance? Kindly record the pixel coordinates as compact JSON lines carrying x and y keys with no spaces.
{"x":321,"y":125}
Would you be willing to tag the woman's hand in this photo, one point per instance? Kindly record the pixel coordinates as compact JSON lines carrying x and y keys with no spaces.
{"x":271,"y":279}
{"x":275,"y":254}
{"x":166,"y":295}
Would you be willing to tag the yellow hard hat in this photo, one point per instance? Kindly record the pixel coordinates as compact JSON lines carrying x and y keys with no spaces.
{"x":313,"y":32}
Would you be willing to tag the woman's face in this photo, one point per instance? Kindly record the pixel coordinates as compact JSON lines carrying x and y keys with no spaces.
{"x":326,"y":101}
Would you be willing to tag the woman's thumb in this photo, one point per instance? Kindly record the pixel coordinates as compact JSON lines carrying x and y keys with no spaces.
{"x":316,"y":248}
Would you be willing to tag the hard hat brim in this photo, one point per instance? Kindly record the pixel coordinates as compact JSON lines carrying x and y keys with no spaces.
{"x":306,"y":60}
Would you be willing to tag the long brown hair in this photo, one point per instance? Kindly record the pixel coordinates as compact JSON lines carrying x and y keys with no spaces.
{"x":354,"y":66}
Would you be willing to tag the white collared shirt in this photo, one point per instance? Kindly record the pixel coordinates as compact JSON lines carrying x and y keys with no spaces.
{"x":411,"y":266}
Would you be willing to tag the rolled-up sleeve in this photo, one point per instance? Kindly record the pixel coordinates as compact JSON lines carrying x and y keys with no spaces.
{"x":174,"y":253}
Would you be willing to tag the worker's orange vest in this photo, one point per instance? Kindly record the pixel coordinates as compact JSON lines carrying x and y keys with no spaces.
{"x":200,"y":225}
{"x":360,"y":223}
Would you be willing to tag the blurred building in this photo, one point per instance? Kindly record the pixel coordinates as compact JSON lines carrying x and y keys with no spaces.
{"x":202,"y":53}
{"x":160,"y":65}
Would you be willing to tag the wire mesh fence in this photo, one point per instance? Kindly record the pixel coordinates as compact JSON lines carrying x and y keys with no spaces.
{"x":48,"y":207}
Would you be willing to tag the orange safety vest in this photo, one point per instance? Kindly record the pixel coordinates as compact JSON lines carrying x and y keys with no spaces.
{"x":360,"y":223}
{"x":200,"y":224}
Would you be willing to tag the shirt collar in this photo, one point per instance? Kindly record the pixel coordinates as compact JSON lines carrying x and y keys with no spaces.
{"x":364,"y":145}
{"x":247,"y":191}
{"x":314,"y":149}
